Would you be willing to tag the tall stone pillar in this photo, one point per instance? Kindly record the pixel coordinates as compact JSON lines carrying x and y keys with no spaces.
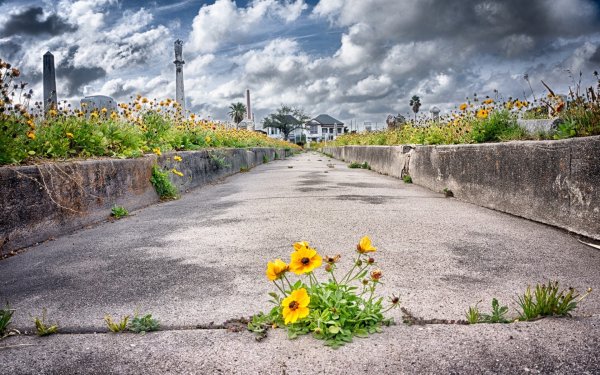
{"x":49,"y":82}
{"x":248,"y":106}
{"x":179,"y":94}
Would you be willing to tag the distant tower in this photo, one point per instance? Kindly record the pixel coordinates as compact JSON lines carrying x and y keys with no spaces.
{"x":49,"y":78}
{"x":179,"y":96}
{"x":249,"y":116}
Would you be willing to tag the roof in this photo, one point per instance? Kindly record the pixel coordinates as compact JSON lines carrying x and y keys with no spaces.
{"x":327,"y":120}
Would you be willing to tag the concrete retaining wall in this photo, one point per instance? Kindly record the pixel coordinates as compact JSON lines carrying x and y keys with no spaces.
{"x":553,"y":182}
{"x":47,"y":200}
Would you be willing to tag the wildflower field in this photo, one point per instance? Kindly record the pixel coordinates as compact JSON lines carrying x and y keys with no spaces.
{"x":495,"y":120}
{"x":141,"y":126}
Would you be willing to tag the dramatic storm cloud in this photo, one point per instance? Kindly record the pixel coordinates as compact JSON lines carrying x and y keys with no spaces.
{"x":353,"y":59}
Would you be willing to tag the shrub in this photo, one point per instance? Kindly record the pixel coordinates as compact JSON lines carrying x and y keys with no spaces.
{"x":163,"y":186}
{"x":118,"y":211}
{"x":143,"y":324}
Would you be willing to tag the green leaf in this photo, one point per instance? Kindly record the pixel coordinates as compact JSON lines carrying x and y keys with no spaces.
{"x":334,"y":329}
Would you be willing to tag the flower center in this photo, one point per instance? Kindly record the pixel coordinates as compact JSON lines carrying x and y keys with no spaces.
{"x":293,"y":305}
{"x":305,"y":261}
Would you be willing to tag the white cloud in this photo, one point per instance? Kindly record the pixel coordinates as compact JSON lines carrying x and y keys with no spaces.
{"x":223,"y":22}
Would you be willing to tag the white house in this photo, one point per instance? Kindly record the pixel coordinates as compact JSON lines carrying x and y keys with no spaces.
{"x":324,"y":128}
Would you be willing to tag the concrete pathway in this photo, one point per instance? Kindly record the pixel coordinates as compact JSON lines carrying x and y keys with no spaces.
{"x":199,"y":261}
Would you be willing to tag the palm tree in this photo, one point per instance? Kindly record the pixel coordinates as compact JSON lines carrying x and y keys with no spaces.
{"x":237,"y":112}
{"x":415,"y":103}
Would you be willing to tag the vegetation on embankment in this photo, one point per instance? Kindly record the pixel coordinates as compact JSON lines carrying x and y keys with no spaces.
{"x":138,"y":127}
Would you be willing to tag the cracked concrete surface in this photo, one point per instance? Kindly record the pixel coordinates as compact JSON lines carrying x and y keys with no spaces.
{"x":201,"y":259}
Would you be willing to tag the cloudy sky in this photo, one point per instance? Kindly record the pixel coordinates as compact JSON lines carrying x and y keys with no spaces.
{"x":356,"y":60}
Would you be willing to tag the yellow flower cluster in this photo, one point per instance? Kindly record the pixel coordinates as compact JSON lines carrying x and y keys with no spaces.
{"x":305,"y":260}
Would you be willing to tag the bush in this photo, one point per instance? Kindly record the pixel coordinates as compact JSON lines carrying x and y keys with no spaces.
{"x":163,"y":186}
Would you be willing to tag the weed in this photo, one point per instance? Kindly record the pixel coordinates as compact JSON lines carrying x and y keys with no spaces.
{"x":143,"y":324}
{"x":473,"y":315}
{"x":265,"y":159}
{"x":5,"y":318}
{"x":42,"y":328}
{"x":364,"y":165}
{"x":448,"y":193}
{"x":498,"y":314}
{"x":118,"y":211}
{"x":407,"y":179}
{"x":548,"y":300}
{"x":276,"y":155}
{"x":219,"y":159}
{"x":116,"y":327}
{"x":163,"y":186}
{"x":244,"y":169}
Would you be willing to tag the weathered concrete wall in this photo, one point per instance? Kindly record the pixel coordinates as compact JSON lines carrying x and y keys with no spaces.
{"x":553,"y":182}
{"x":47,"y":200}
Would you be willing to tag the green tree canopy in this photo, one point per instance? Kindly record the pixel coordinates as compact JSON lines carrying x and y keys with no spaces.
{"x":286,"y":119}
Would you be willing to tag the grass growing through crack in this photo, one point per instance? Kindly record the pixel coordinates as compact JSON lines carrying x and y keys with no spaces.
{"x":116,"y":327}
{"x":545,"y":300}
{"x":407,"y":179}
{"x":42,"y":327}
{"x":548,"y":300}
{"x":5,"y":318}
{"x":118,"y":211}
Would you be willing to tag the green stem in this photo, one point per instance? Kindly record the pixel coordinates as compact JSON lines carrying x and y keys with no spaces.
{"x":351,"y":270}
{"x":282,"y":290}
{"x":288,"y":281}
{"x":358,"y":273}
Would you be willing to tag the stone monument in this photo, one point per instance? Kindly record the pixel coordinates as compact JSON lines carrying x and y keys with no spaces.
{"x":49,"y":82}
{"x":179,"y":94}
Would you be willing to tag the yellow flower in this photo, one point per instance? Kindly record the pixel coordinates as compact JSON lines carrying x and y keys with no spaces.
{"x":144,"y":100}
{"x":518,"y":104}
{"x":69,"y":135}
{"x":157,"y":151}
{"x":488,"y":101}
{"x":207,"y":139}
{"x":175,"y":171}
{"x":305,"y":260}
{"x":177,"y":158}
{"x":276,"y":269}
{"x":463,"y":107}
{"x":364,"y":246}
{"x":295,"y":306}
{"x":31,"y":135}
{"x":52,"y":112}
{"x":482,"y":113}
{"x":301,"y":245}
{"x":104,"y":110}
{"x":94,"y":114}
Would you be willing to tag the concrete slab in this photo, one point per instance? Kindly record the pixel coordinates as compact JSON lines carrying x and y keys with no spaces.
{"x":561,"y":346}
{"x":202,"y":258}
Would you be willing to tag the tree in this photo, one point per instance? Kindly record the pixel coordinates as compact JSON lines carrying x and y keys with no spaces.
{"x":237,"y":112}
{"x":286,"y":119}
{"x":415,"y":103}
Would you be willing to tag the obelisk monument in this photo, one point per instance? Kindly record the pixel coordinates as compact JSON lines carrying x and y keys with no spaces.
{"x":179,"y":95}
{"x":49,"y":82}
{"x":248,"y":107}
